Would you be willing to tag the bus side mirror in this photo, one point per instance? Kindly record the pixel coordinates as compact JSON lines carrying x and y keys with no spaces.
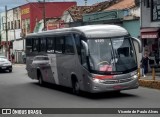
{"x":85,"y":45}
{"x":139,"y":44}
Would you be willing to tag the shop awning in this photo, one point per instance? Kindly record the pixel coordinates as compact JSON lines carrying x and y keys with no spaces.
{"x":149,"y":33}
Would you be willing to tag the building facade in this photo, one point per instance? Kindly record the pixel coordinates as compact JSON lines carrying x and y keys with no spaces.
{"x":22,"y":20}
{"x":150,"y":31}
{"x":13,"y":30}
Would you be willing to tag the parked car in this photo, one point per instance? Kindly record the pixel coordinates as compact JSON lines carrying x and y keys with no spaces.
{"x":5,"y":64}
{"x":3,"y":57}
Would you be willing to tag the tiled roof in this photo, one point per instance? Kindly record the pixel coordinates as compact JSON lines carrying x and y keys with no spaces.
{"x":76,"y":12}
{"x":100,"y":6}
{"x":122,"y":4}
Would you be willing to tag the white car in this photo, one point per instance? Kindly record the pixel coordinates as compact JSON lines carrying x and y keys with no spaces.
{"x":5,"y":64}
{"x":3,"y":57}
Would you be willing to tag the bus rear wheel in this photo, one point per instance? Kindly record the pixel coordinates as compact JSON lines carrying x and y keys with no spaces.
{"x":10,"y":70}
{"x":40,"y":80}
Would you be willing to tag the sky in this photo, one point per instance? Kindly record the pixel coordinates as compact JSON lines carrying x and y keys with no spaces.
{"x":14,"y":3}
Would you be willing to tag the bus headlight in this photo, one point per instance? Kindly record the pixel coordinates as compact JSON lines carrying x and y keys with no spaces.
{"x":96,"y":80}
{"x":135,"y":76}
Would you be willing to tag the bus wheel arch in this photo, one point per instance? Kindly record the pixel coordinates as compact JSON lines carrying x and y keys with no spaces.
{"x":75,"y":84}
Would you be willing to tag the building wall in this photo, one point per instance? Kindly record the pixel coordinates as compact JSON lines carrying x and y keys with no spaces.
{"x":18,"y":49}
{"x":133,"y":27}
{"x":34,"y":11}
{"x":146,"y":16}
{"x":13,"y":24}
{"x":66,"y":17}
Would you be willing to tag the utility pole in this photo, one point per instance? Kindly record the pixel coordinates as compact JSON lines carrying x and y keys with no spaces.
{"x":6,"y":48}
{"x":44,"y":14}
{"x":85,"y":2}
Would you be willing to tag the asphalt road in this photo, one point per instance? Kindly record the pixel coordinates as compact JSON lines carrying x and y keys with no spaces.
{"x":17,"y":90}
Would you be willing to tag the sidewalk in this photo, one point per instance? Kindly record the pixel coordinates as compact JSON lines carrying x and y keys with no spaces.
{"x":18,"y":65}
{"x":150,"y":77}
{"x":149,"y":82}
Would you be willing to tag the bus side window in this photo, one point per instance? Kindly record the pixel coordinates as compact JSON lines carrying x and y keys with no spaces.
{"x":28,"y":45}
{"x":59,"y":45}
{"x":78,"y":43}
{"x":42,"y":45}
{"x":83,"y":54}
{"x":50,"y":44}
{"x":35,"y":45}
{"x":69,"y":46}
{"x":83,"y":57}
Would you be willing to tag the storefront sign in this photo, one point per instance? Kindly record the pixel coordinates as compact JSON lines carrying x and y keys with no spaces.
{"x":149,"y":35}
{"x":52,"y":25}
{"x":5,"y":43}
{"x":105,"y":15}
{"x":25,"y":11}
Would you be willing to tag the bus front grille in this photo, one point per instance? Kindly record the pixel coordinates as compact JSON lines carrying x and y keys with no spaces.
{"x":117,"y":81}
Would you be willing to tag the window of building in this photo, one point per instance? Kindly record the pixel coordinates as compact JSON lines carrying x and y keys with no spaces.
{"x":155,"y":10}
{"x":11,"y":25}
{"x":69,"y":46}
{"x":4,"y":26}
{"x":27,"y":23}
{"x":18,"y":24}
{"x":15,"y":25}
{"x":50,"y":44}
{"x":8,"y":25}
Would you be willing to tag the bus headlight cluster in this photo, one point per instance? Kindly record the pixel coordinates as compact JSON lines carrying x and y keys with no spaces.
{"x":135,"y":76}
{"x":97,"y":80}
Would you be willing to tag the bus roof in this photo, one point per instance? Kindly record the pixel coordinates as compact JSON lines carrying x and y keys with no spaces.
{"x":90,"y":31}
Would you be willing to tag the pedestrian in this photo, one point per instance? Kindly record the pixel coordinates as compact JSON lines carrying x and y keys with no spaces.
{"x":144,"y":64}
{"x":24,"y":56}
{"x":12,"y":56}
{"x":156,"y":57}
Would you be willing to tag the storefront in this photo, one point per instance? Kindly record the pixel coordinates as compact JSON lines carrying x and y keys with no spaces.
{"x":151,"y":43}
{"x":10,"y":48}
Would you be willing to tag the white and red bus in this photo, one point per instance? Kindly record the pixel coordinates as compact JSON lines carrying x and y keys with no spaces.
{"x":93,"y":58}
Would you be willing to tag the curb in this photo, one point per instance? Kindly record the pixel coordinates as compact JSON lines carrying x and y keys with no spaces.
{"x":149,"y":83}
{"x":15,"y":65}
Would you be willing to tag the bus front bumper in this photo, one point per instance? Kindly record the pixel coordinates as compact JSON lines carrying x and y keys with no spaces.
{"x":97,"y":87}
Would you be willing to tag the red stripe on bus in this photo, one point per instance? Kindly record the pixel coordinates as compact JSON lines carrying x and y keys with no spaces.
{"x":104,"y":77}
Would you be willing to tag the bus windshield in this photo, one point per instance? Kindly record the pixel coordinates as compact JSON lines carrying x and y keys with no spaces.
{"x":112,"y":55}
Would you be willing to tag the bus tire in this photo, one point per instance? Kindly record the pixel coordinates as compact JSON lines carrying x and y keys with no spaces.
{"x":40,"y":79}
{"x":117,"y":92}
{"x":75,"y":86}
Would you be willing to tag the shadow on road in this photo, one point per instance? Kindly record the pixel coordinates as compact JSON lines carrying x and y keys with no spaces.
{"x":106,"y":95}
{"x":4,"y":72}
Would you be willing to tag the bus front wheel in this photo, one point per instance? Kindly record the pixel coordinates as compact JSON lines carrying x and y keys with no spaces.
{"x":76,"y":87}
